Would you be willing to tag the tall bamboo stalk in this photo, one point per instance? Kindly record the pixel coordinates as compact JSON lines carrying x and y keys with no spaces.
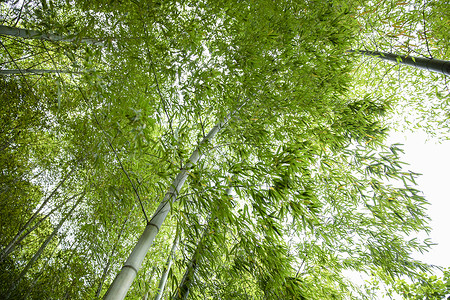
{"x":11,"y":247}
{"x":123,"y":280}
{"x":183,"y":289}
{"x":182,"y":292}
{"x":36,"y":278}
{"x":68,"y":261}
{"x":145,"y":297}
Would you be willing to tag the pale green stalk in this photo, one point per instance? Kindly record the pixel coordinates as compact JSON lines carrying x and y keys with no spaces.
{"x":123,"y":280}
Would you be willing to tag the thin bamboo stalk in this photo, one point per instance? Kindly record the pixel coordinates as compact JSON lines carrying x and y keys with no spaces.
{"x":182,"y":292}
{"x":33,"y":34}
{"x":165,"y":274}
{"x":12,"y":247}
{"x":42,"y":248}
{"x":7,"y":250}
{"x":36,"y":72}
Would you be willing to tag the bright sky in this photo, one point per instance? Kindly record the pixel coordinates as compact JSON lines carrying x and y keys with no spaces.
{"x":432,"y":160}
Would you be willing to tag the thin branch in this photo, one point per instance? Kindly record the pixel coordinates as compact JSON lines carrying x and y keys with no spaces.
{"x":152,"y":66}
{"x":37,"y":80}
{"x":384,"y":75}
{"x":115,"y":153}
{"x":425,"y":31}
{"x":20,"y":13}
{"x":17,"y":66}
{"x":23,"y":57}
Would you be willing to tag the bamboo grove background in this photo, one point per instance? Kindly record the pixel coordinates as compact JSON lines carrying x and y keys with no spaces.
{"x":104,"y":102}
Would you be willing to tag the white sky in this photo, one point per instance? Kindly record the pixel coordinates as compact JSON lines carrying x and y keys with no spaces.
{"x":432,"y":160}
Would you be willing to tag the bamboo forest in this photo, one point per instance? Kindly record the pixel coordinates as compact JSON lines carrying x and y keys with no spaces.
{"x":226,"y":149}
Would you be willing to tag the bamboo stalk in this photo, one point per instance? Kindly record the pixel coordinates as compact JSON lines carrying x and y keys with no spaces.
{"x":8,"y":249}
{"x":430,"y":64}
{"x":33,"y":34}
{"x":165,"y":274}
{"x":36,"y":72}
{"x":123,"y":280}
{"x":182,"y":292}
{"x":42,"y":248}
{"x":11,"y":247}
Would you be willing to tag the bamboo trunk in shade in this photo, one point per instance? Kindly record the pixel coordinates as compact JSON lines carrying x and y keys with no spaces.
{"x":430,"y":64}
